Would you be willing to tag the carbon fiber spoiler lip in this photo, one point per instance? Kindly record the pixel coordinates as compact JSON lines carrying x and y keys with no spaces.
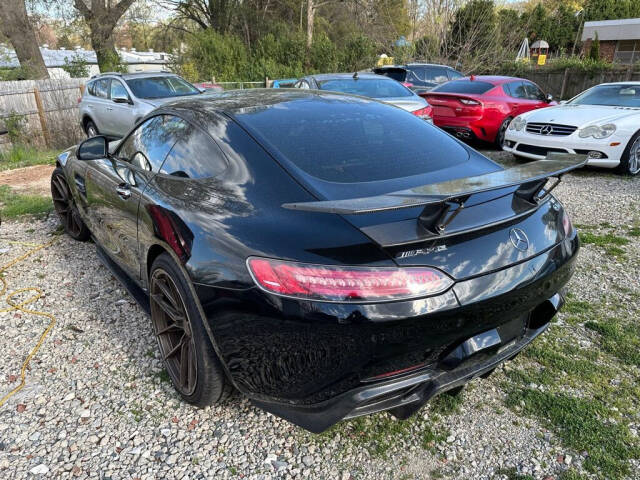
{"x":555,"y":165}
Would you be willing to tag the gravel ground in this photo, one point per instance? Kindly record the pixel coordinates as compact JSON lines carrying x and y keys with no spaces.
{"x":98,"y":405}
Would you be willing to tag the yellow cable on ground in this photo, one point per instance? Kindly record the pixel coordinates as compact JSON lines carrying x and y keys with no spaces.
{"x":20,"y":307}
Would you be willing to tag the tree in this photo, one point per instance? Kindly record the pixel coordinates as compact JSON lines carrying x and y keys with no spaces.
{"x":215,"y":14}
{"x":15,"y":25}
{"x":102,"y":17}
{"x":594,"y":51}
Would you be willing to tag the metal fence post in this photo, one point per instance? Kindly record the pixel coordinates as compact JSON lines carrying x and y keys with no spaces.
{"x":43,"y":118}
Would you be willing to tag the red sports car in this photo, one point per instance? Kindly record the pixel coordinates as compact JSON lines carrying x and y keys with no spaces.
{"x":481,"y":107}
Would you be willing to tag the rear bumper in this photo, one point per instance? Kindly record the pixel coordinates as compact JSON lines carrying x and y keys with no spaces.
{"x":316,"y":363}
{"x":468,"y":128}
{"x":404,"y":396}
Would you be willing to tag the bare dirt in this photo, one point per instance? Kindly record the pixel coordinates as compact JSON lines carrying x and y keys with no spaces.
{"x":34,"y":180}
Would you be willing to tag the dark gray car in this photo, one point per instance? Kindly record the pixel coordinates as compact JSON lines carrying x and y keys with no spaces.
{"x":113,"y":103}
{"x":369,"y":85}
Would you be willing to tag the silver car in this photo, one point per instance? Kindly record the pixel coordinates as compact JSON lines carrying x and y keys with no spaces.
{"x":113,"y":103}
{"x":370,"y":85}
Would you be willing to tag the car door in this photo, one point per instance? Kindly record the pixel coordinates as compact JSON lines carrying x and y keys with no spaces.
{"x":517,"y":97}
{"x":119,"y":115}
{"x":536,"y":95}
{"x":115,"y":185}
{"x":99,"y":104}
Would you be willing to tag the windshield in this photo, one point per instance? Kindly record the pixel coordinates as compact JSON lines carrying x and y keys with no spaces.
{"x":349,"y":140}
{"x":464,"y":86}
{"x":610,"y":95}
{"x":161,"y":87}
{"x":367,"y":87}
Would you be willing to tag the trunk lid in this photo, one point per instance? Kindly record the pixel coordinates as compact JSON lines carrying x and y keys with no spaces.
{"x":454,"y":105}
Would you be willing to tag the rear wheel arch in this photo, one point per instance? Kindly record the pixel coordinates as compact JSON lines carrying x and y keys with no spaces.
{"x":154,"y":252}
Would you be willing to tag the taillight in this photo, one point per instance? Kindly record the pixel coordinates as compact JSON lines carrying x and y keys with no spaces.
{"x":407,"y":84}
{"x":425,"y":113}
{"x":567,"y":226}
{"x":468,"y":101}
{"x":345,"y":284}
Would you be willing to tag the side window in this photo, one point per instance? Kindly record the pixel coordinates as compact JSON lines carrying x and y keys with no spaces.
{"x":435,"y":75}
{"x":91,"y":88}
{"x":533,"y":92}
{"x":118,"y":90}
{"x":195,"y":155}
{"x":304,"y":85}
{"x":102,"y":88}
{"x":414,"y":77}
{"x":517,"y":90}
{"x":454,"y":74}
{"x":147,"y":146}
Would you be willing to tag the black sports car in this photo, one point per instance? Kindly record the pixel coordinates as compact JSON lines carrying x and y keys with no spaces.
{"x":327,"y":255}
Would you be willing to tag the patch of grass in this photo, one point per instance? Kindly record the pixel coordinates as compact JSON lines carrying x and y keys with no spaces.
{"x":609,"y":241}
{"x":583,"y":425}
{"x":622,"y":342}
{"x":431,"y":436}
{"x":163,"y":376}
{"x":577,"y":307}
{"x":20,"y":156}
{"x":447,"y":403}
{"x":571,"y":474}
{"x":15,"y":205}
{"x":634,"y":232}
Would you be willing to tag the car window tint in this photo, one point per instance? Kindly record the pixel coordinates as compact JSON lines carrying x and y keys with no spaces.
{"x":464,"y":86}
{"x":517,"y":90}
{"x":625,"y":95}
{"x":454,"y":74}
{"x":304,"y":85}
{"x":367,"y":87}
{"x":435,"y":75}
{"x":91,"y":88}
{"x":152,"y":139}
{"x":102,"y":88}
{"x":398,"y":74}
{"x":194,"y":155}
{"x":358,"y":141}
{"x":118,"y":90}
{"x":161,"y":87}
{"x":533,"y":92}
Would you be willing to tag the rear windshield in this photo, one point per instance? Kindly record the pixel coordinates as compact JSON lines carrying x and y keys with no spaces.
{"x":464,"y":86}
{"x":352,"y":140}
{"x":398,"y":74}
{"x":161,"y":87}
{"x":613,"y":95}
{"x":367,"y":87}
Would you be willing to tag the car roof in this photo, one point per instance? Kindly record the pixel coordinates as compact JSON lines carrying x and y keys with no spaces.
{"x":128,"y":76}
{"x":346,"y":76}
{"x":493,"y":79}
{"x":241,"y":102}
{"x":637,"y":82}
{"x":414,"y":64}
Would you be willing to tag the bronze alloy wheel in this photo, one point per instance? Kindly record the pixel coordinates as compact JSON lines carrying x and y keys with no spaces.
{"x":65,"y":207}
{"x":173,"y":331}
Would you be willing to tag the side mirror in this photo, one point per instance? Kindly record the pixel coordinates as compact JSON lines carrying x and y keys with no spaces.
{"x":93,"y":148}
{"x":121,"y":100}
{"x":549,"y":98}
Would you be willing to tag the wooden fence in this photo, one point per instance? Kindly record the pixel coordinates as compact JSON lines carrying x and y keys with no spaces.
{"x":47,"y":109}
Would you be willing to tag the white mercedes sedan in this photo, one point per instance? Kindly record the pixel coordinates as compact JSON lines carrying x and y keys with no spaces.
{"x":602,"y":123}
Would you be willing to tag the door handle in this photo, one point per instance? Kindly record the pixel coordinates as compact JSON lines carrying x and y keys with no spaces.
{"x":124,"y":191}
{"x":109,"y":108}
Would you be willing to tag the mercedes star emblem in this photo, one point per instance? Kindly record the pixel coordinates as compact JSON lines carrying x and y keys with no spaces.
{"x":519,"y":239}
{"x":546,"y":130}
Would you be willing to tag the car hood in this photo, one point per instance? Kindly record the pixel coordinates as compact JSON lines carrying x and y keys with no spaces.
{"x":410,"y":104}
{"x":156,"y":102}
{"x":580,"y":115}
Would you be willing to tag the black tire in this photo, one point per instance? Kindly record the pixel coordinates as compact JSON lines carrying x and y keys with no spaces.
{"x":65,"y":207}
{"x":630,"y":160}
{"x":204,"y":382}
{"x":502,"y":131}
{"x":90,"y":129}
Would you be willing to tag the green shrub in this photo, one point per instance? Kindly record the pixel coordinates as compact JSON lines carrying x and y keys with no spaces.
{"x":76,"y":66}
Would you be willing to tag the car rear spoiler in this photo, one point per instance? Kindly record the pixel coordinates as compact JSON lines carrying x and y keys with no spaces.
{"x":530,"y":177}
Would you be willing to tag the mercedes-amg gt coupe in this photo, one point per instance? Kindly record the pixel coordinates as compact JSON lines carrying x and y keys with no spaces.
{"x":326,"y":255}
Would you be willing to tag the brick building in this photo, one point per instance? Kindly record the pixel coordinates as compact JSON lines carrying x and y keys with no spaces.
{"x":619,"y":39}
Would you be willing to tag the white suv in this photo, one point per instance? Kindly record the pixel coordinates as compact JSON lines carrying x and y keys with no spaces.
{"x":113,"y":103}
